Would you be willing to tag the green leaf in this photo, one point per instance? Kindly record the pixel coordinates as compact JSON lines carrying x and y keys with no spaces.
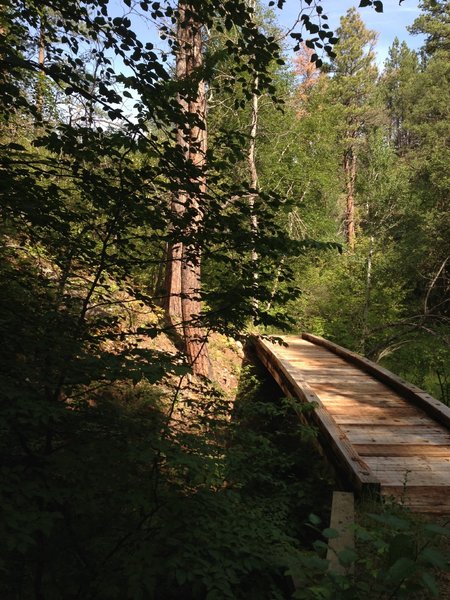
{"x":430,"y":584}
{"x":180,"y":576}
{"x":391,"y":521}
{"x":378,"y":6}
{"x":437,"y":529}
{"x":320,"y":545}
{"x":330,"y":533}
{"x":434,"y":557}
{"x":347,"y":557}
{"x":400,"y":570}
{"x":402,"y":546}
{"x":314,"y":519}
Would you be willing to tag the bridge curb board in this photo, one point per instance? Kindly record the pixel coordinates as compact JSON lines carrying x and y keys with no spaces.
{"x":382,"y":433}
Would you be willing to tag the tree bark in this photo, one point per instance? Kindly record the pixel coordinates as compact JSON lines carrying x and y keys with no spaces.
{"x":254,"y":180}
{"x":175,"y":250}
{"x":40,"y":85}
{"x":195,"y":338}
{"x":183,"y":306}
{"x":350,"y":177}
{"x":173,"y":284}
{"x":368,"y":292}
{"x":251,"y":159}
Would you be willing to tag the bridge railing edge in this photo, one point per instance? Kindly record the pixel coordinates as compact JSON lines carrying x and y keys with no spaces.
{"x":335,"y":441}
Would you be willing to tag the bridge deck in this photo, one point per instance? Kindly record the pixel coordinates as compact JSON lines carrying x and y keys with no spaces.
{"x":383,"y":433}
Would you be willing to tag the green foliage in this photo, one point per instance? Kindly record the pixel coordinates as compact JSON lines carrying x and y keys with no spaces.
{"x":424,"y":363}
{"x":434,"y":23}
{"x":117,"y":480}
{"x":271,"y":436}
{"x":396,"y":557}
{"x":118,"y":508}
{"x":388,"y":298}
{"x":109,"y":490}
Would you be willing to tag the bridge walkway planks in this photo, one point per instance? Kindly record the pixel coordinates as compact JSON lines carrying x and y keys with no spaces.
{"x":383,"y":433}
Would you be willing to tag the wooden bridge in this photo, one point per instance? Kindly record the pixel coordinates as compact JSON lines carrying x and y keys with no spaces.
{"x":382,"y":433}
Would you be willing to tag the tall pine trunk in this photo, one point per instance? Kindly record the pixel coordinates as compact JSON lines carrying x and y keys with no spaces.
{"x":40,"y":84}
{"x":254,"y":182}
{"x":368,"y":291}
{"x":350,"y":178}
{"x":183,"y":279}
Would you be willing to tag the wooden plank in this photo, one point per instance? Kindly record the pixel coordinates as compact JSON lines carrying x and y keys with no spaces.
{"x":362,"y":409}
{"x":342,"y":520}
{"x":328,"y":367}
{"x":431,"y":491}
{"x":323,"y":368}
{"x":340,"y":382}
{"x":431,"y":430}
{"x":423,"y":450}
{"x":343,"y":382}
{"x":365,"y":396}
{"x":334,"y":440}
{"x":431,"y":405}
{"x":303,"y":357}
{"x":390,"y":463}
{"x":405,"y":463}
{"x":421,"y":498}
{"x":384,"y":434}
{"x":366,"y":388}
{"x":364,"y":402}
{"x":413,"y":478}
{"x":360,"y":382}
{"x":344,"y":419}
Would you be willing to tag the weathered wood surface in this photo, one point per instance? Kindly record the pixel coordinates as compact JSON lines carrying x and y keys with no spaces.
{"x":382,"y":432}
{"x":342,"y":520}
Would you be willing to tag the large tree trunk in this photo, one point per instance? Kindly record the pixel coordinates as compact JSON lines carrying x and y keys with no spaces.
{"x":175,"y":250}
{"x":172,"y":303}
{"x":183,"y":280}
{"x":254,"y":182}
{"x":40,"y":84}
{"x":350,"y":178}
{"x":368,"y":292}
{"x":194,"y":335}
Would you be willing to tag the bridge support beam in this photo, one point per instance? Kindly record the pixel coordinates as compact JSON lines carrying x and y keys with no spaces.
{"x":342,"y":521}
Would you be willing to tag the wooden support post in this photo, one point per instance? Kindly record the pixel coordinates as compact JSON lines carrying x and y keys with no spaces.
{"x":342,"y":520}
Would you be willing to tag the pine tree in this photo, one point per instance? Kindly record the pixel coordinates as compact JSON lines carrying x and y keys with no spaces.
{"x":398,"y":88}
{"x":184,"y":262}
{"x":434,"y":23}
{"x":353,"y":89}
{"x":429,"y":120}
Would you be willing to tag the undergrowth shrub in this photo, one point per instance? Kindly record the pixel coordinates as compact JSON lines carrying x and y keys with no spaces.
{"x":148,"y":490}
{"x":397,"y":555}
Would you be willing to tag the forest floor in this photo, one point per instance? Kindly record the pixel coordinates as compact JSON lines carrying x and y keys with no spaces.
{"x":225,"y":353}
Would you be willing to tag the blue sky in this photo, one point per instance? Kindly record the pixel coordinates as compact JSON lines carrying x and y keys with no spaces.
{"x":389,"y":24}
